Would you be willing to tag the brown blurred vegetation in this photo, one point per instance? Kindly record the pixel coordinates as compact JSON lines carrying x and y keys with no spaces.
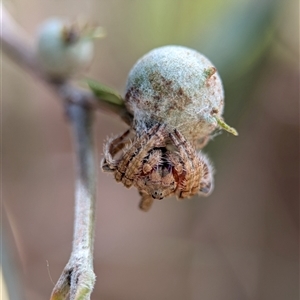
{"x":241,"y":242}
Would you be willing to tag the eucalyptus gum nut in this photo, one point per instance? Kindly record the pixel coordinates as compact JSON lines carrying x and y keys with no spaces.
{"x":177,"y":86}
{"x":59,"y":57}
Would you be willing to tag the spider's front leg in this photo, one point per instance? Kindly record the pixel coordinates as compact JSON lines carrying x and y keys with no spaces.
{"x":189,"y":158}
{"x":145,"y":202}
{"x":155,"y":138}
{"x":132,"y":159}
{"x":198,"y":173}
{"x":207,"y":179}
{"x":128,"y":155}
{"x":111,"y":148}
{"x":154,"y":160}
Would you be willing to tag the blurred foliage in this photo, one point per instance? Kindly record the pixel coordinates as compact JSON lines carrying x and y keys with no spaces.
{"x":231,"y":33}
{"x":239,"y":37}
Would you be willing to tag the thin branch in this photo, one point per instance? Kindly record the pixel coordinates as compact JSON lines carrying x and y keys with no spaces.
{"x":77,"y":279}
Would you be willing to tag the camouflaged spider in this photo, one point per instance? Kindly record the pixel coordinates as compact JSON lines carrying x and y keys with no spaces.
{"x":159,"y":164}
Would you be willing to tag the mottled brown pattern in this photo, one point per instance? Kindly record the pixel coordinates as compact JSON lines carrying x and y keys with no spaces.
{"x":163,"y":88}
{"x":155,"y":170}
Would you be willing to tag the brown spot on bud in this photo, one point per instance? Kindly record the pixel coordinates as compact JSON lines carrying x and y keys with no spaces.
{"x":209,"y":72}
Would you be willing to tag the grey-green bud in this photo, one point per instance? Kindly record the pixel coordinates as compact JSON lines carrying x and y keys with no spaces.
{"x":177,"y":86}
{"x":63,"y":49}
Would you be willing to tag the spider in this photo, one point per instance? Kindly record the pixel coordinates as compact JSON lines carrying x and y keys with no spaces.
{"x":159,"y":163}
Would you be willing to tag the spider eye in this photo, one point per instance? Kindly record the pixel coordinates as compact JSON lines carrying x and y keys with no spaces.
{"x":157,"y":195}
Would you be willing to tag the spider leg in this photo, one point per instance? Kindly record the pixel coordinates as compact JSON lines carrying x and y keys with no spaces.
{"x":207,"y":180}
{"x":127,"y":156}
{"x":178,"y":171}
{"x":168,"y":182}
{"x":191,"y":163}
{"x":111,"y":148}
{"x":131,"y":153}
{"x":157,"y":137}
{"x":204,"y":181}
{"x":146,"y":202}
{"x":174,"y":161}
{"x":154,"y":160}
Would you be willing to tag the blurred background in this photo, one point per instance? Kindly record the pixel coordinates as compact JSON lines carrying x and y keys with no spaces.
{"x":240,"y":243}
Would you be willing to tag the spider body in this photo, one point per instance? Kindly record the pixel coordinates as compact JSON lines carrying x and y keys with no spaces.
{"x":159,"y":164}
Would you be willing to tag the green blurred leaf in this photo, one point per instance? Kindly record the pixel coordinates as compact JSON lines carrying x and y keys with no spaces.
{"x":239,"y":37}
{"x":104,"y":92}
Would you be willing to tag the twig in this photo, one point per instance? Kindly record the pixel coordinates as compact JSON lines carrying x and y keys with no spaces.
{"x":77,"y":279}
